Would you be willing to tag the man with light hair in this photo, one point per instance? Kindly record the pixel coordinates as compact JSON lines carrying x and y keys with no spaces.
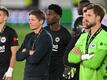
{"x":8,"y":46}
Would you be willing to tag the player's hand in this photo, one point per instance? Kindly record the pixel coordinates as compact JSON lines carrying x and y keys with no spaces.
{"x":8,"y":74}
{"x":24,"y":50}
{"x":31,"y":52}
{"x":76,"y":51}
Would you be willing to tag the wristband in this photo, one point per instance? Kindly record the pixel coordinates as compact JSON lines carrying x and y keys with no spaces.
{"x":9,"y":72}
{"x":84,"y":56}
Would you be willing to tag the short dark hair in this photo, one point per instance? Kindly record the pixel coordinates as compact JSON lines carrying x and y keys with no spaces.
{"x":39,"y":14}
{"x":4,"y":9}
{"x":98,"y":10}
{"x":83,"y":3}
{"x":56,"y":8}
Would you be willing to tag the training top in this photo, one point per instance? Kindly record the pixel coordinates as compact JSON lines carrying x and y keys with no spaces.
{"x":94,"y":68}
{"x":8,"y":38}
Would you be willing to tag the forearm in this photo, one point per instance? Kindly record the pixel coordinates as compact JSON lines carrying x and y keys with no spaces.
{"x":96,"y":61}
{"x":8,"y":73}
{"x":73,"y":58}
{"x":20,"y":56}
{"x":13,"y":56}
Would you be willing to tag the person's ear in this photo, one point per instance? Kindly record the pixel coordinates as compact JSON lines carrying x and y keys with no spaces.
{"x":41,"y":21}
{"x":98,"y":18}
{"x":5,"y":18}
{"x":58,"y":17}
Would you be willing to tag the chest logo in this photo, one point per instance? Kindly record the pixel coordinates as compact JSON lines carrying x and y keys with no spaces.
{"x":3,"y":39}
{"x":57,"y":39}
{"x":92,"y":46}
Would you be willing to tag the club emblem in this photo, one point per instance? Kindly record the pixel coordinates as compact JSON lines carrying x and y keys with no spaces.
{"x":57,"y":39}
{"x":3,"y":39}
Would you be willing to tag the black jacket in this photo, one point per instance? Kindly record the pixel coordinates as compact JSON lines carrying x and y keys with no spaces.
{"x":38,"y":63}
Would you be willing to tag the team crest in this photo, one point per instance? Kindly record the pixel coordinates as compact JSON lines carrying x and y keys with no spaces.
{"x":92,"y":46}
{"x":57,"y":39}
{"x":3,"y":39}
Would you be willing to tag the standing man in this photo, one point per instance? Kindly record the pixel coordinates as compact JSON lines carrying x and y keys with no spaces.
{"x":8,"y":46}
{"x":91,"y":48}
{"x":36,"y":48}
{"x":61,"y":38}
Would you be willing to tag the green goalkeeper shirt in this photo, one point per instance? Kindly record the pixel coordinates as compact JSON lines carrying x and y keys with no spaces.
{"x":94,"y":68}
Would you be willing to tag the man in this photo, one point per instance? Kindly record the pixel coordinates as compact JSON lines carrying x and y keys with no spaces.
{"x":8,"y":46}
{"x":61,"y":38}
{"x":91,"y":48}
{"x":79,"y":28}
{"x":36,"y":48}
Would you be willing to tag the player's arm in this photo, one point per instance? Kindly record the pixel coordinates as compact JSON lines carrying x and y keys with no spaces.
{"x":74,"y":55}
{"x":8,"y":74}
{"x":96,"y":61}
{"x":13,"y":57}
{"x":23,"y":51}
{"x":40,"y":50}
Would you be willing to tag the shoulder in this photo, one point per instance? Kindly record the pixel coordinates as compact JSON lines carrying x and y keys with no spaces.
{"x":64,"y":29}
{"x":47,"y":27}
{"x":10,"y":29}
{"x":83,"y":36}
{"x":103,"y":34}
{"x":104,"y":27}
{"x":79,"y":19}
{"x":46,"y":36}
{"x":46,"y":33}
{"x":29,"y":34}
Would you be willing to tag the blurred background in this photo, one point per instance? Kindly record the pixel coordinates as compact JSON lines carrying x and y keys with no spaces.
{"x":18,"y":18}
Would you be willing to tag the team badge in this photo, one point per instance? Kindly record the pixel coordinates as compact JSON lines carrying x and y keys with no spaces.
{"x":3,"y":39}
{"x":15,"y":39}
{"x":57,"y":39}
{"x":92,"y":46}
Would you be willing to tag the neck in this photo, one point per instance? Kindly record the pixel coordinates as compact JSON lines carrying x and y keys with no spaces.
{"x":55,"y":27}
{"x":95,"y":28}
{"x":37,"y":30}
{"x":1,"y":26}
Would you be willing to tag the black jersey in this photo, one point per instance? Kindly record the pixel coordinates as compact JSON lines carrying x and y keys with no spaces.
{"x":8,"y":38}
{"x":61,"y":39}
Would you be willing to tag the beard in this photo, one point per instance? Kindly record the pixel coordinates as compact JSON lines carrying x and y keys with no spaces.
{"x":90,"y":24}
{"x":51,"y":23}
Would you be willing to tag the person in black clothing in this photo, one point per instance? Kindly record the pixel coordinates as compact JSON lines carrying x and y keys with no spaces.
{"x":8,"y":46}
{"x":36,"y":49}
{"x":61,"y":38}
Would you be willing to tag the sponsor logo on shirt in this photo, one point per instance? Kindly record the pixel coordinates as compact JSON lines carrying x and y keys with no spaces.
{"x":2,"y":48}
{"x":55,"y":48}
{"x":92,"y":46}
